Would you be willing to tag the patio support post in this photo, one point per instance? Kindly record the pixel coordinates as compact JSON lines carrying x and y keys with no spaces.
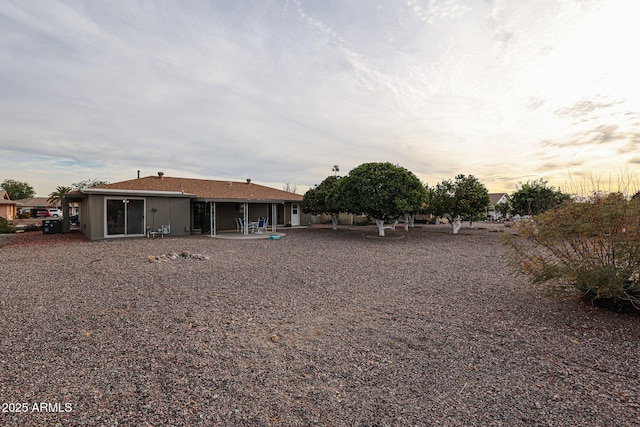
{"x":274,"y":216}
{"x":246,"y":218}
{"x":212,"y":222}
{"x":65,"y":215}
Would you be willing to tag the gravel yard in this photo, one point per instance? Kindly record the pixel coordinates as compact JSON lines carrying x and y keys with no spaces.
{"x":321,"y":327}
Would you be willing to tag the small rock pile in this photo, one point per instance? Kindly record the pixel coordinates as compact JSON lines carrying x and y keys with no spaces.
{"x":175,"y":256}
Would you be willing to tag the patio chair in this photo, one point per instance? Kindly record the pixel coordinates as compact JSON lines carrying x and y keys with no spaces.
{"x":151,"y":233}
{"x":261,"y":226}
{"x":239,"y":223}
{"x":164,"y":229}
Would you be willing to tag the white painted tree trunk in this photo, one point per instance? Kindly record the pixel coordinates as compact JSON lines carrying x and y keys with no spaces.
{"x":457,"y":223}
{"x":407,"y":218}
{"x":412,"y":221}
{"x":380,"y":224}
{"x":334,"y":221}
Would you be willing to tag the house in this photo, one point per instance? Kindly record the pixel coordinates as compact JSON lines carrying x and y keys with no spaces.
{"x":7,"y":206}
{"x":26,"y":205}
{"x":188,"y":206}
{"x":495,"y":199}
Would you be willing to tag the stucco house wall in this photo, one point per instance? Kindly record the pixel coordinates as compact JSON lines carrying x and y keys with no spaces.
{"x":7,"y":206}
{"x":129,"y":208}
{"x":169,"y":210}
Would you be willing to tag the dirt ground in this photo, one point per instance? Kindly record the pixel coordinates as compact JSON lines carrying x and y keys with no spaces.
{"x":321,"y":327}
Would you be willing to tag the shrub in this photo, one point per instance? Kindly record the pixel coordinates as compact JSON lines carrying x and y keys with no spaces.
{"x":592,"y":245}
{"x":5,"y":227}
{"x":24,"y":215}
{"x":362,"y":222}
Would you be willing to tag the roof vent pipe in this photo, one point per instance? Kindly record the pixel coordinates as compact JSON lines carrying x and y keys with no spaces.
{"x":160,"y":174}
{"x":248,"y":180}
{"x":138,"y":173}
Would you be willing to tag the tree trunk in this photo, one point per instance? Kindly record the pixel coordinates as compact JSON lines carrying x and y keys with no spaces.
{"x":406,"y":221}
{"x":457,"y":223}
{"x":380,"y":224}
{"x":334,"y":221}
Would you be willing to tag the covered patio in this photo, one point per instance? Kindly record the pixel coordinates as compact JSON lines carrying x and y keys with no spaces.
{"x":232,"y":235}
{"x":232,"y":217}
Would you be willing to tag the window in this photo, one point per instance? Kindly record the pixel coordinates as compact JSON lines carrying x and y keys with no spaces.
{"x":124,"y":217}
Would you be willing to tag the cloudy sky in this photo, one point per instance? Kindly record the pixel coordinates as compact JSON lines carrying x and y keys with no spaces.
{"x":281,"y":90}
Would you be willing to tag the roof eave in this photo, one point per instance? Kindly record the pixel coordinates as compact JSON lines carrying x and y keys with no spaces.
{"x":240,"y":200}
{"x":116,"y":191}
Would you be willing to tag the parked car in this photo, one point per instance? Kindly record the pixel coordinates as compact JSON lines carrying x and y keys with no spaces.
{"x":40,"y":213}
{"x":56,"y":213}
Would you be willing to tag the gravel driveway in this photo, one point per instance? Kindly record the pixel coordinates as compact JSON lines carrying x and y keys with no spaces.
{"x":317,"y":328}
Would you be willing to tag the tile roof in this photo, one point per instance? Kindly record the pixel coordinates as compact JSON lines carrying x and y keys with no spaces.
{"x":205,"y":189}
{"x":495,"y":197}
{"x":36,"y":202}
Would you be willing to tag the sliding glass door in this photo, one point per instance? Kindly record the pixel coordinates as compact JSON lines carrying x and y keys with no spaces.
{"x":124,"y":217}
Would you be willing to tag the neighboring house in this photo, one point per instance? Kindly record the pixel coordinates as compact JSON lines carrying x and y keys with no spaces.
{"x":494,"y":199}
{"x":34,"y":203}
{"x":7,"y":206}
{"x":190,"y":206}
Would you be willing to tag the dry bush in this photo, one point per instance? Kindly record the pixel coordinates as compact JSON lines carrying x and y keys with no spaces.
{"x":592,"y":244}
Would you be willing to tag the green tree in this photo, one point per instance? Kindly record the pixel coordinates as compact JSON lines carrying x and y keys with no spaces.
{"x":316,"y":200}
{"x":504,"y":208}
{"x":88,"y":183}
{"x":535,"y":197}
{"x":17,"y":190}
{"x":382,"y":191}
{"x":465,"y":197}
{"x":55,"y":197}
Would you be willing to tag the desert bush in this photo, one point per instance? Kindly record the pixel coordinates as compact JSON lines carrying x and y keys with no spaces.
{"x":592,"y":245}
{"x":5,"y":227}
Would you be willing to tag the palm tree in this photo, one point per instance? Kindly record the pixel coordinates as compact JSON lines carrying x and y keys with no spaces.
{"x":55,"y":198}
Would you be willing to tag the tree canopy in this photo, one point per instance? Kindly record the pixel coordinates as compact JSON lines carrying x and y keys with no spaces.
{"x":316,"y":200}
{"x":465,"y":197}
{"x":55,"y":197}
{"x":17,"y":190}
{"x":382,"y":191}
{"x":535,"y":197}
{"x":87,"y":183}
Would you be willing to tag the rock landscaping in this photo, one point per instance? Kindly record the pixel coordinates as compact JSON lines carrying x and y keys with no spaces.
{"x":173,"y":256}
{"x":324,"y":328}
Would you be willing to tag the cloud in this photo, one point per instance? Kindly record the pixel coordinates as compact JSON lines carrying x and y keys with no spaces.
{"x":600,"y":135}
{"x":586,"y":107}
{"x":434,"y":11}
{"x":283,"y":91}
